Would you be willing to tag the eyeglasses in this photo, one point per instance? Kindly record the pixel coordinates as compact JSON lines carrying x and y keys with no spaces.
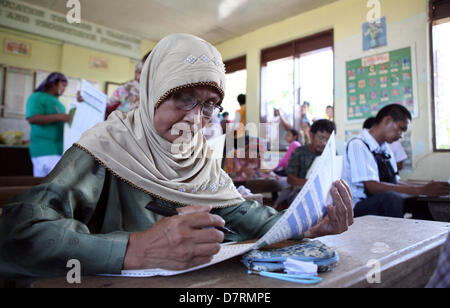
{"x":187,"y":102}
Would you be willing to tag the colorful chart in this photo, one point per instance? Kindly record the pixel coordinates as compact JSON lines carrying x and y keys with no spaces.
{"x":376,"y":81}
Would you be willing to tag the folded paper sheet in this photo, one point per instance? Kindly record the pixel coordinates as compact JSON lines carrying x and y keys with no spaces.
{"x":297,"y":267}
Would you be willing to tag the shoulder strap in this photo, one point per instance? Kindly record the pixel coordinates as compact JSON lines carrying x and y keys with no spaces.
{"x":357,"y":138}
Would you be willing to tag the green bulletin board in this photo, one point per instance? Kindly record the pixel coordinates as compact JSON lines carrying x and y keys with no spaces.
{"x":376,"y":81}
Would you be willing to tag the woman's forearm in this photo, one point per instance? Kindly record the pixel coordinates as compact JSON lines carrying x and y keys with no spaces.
{"x":42,"y":119}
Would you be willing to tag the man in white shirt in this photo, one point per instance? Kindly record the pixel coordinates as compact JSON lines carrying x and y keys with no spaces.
{"x":396,"y":147}
{"x":370,"y":169}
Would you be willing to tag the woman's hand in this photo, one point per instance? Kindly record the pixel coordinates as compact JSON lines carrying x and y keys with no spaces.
{"x":79,"y":97}
{"x":340,"y":214}
{"x":178,"y":242}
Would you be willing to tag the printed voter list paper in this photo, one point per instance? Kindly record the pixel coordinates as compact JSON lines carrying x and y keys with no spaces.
{"x":309,"y":207}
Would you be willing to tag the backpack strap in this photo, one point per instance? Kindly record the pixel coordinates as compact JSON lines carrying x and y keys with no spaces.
{"x":357,"y":138}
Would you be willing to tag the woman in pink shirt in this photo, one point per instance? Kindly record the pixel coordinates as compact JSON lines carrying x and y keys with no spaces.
{"x":292,"y":138}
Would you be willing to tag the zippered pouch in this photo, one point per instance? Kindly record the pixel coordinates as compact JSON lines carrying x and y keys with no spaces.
{"x":307,"y":251}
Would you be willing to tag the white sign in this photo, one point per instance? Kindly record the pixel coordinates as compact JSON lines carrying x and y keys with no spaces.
{"x":34,"y":19}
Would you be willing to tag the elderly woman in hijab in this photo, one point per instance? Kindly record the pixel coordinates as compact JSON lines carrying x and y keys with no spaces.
{"x":92,"y":207}
{"x":47,"y":115}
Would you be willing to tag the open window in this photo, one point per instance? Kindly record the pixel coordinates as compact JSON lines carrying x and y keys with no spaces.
{"x":293,"y":73}
{"x":236,"y":79}
{"x":440,"y":57}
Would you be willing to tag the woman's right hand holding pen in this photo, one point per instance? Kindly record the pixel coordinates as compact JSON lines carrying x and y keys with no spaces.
{"x":178,"y":242}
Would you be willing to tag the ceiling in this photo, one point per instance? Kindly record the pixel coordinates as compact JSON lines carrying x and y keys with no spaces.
{"x":213,"y":20}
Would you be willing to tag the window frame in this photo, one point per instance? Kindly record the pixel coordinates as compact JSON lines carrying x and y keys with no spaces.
{"x":438,"y":10}
{"x":295,"y":49}
{"x":236,"y":64}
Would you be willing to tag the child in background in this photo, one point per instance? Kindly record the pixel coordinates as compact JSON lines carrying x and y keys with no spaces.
{"x":292,"y":138}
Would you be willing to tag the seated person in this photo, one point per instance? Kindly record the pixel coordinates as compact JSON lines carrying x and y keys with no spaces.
{"x":396,"y":146}
{"x":92,"y":207}
{"x":243,"y":166}
{"x":371,"y":170}
{"x":305,"y":133}
{"x":302,"y":158}
{"x":399,"y":154}
{"x":292,"y":139}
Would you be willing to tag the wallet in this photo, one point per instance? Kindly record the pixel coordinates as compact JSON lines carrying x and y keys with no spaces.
{"x":314,"y":251}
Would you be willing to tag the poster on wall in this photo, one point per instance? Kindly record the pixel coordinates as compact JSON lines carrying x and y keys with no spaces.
{"x":18,"y":87}
{"x":16,"y":48}
{"x":376,"y":81}
{"x":374,"y":34}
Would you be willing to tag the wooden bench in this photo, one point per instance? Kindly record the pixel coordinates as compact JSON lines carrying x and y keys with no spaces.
{"x":19,"y":181}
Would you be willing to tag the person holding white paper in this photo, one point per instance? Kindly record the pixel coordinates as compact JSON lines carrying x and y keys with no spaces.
{"x":93,"y":206}
{"x":47,"y":115}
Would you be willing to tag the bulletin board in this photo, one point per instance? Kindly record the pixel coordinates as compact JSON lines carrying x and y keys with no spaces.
{"x":2,"y":82}
{"x":40,"y":76}
{"x":110,"y":87}
{"x":376,"y":81}
{"x":19,"y":85}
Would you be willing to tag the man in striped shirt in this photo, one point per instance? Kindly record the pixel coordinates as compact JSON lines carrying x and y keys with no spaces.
{"x":371,"y":170}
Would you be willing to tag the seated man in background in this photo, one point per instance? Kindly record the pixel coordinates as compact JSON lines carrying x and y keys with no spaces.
{"x":396,"y":147}
{"x":303,"y":157}
{"x":371,"y":170}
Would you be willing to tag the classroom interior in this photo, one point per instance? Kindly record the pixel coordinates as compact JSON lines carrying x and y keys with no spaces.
{"x":279,"y":54}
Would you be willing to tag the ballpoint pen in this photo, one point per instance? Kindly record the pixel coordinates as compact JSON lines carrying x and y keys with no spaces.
{"x":168,"y":212}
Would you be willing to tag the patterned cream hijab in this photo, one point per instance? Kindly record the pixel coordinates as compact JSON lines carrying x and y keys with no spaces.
{"x":129,"y":146}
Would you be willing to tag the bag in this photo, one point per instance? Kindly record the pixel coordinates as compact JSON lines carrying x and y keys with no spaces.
{"x":307,"y":251}
{"x":386,"y":172}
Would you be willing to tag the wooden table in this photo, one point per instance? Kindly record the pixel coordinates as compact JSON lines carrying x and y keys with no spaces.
{"x":262,"y":186}
{"x":439,"y":207}
{"x":406,"y":250}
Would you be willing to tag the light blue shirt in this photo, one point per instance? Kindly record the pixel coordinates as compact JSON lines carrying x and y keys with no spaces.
{"x":360,"y":165}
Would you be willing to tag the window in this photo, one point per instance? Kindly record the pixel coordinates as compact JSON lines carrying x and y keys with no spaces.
{"x":440,"y":32}
{"x":236,"y":79}
{"x":295,"y":72}
{"x":316,"y":81}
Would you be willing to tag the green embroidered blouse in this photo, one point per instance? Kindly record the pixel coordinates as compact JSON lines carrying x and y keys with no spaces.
{"x":82,"y":211}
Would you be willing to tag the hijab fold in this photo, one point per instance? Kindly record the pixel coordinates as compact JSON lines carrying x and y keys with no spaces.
{"x":129,"y":146}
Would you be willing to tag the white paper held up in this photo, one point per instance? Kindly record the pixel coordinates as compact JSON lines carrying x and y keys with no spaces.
{"x":85,"y":115}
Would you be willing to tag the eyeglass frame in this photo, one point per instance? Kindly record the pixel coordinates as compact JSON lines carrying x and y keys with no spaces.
{"x":177,"y":96}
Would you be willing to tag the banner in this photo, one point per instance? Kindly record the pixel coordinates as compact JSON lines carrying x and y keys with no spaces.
{"x":34,"y":19}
